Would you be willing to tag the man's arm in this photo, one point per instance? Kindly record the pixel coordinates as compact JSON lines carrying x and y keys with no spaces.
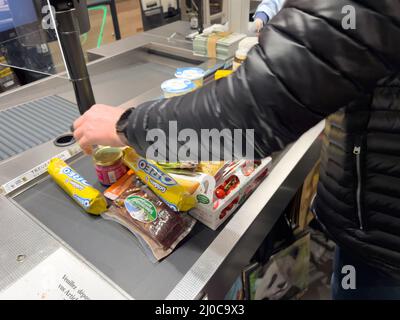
{"x":268,"y":9}
{"x":306,"y":67}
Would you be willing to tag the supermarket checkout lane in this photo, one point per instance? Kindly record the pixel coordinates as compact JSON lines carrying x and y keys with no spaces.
{"x":191,"y":250}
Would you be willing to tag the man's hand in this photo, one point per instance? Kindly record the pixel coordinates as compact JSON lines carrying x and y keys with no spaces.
{"x":259,"y":24}
{"x":97,"y":127}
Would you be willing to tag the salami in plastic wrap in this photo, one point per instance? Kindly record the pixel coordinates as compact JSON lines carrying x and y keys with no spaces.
{"x":157,"y":227}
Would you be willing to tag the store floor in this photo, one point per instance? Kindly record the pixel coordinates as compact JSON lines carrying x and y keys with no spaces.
{"x":320,"y":268}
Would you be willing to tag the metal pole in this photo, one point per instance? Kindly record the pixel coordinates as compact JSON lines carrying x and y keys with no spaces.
{"x":114,"y":16}
{"x":68,"y":32}
{"x":72,"y":19}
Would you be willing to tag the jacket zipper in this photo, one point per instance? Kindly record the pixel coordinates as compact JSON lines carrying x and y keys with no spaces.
{"x":357,"y":152}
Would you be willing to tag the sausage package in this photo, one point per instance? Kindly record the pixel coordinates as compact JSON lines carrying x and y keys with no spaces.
{"x":158,"y":228}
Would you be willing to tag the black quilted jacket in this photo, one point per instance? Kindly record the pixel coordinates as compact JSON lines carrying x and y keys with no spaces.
{"x":307,"y":68}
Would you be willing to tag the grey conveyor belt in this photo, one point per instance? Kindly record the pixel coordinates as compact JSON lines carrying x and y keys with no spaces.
{"x":33,"y":123}
{"x":108,"y":246}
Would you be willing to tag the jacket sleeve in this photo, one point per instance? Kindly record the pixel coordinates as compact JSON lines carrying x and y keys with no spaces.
{"x":306,"y":67}
{"x":269,"y":8}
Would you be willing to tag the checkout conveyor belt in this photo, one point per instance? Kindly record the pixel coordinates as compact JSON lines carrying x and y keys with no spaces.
{"x":33,"y":123}
{"x":109,"y":246}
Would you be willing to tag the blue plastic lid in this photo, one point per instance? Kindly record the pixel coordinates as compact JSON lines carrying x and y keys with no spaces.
{"x":178,"y":86}
{"x":191,"y":73}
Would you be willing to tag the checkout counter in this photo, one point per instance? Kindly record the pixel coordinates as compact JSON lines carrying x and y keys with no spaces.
{"x":48,"y":244}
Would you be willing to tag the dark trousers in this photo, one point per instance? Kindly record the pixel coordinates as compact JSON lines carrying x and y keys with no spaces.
{"x":370,"y":284}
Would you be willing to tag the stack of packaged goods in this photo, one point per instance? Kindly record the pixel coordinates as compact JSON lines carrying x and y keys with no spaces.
{"x":209,"y":191}
{"x":129,"y":201}
{"x":159,"y":202}
{"x":220,"y":45}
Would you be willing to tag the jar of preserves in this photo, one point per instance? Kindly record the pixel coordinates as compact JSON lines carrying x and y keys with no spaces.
{"x":109,"y":165}
{"x":240,"y":57}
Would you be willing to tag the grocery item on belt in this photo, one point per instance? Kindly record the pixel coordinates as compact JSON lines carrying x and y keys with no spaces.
{"x":194,"y":74}
{"x":210,"y":167}
{"x":175,"y":195}
{"x":221,"y":187}
{"x":185,"y":165}
{"x":157,"y":227}
{"x":118,"y":188}
{"x":220,"y":74}
{"x":90,"y":199}
{"x":184,"y":168}
{"x":220,"y":45}
{"x":177,"y":87}
{"x":227,"y":187}
{"x":109,"y":165}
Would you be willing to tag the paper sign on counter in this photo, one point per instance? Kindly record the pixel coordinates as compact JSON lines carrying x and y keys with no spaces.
{"x":61,"y":276}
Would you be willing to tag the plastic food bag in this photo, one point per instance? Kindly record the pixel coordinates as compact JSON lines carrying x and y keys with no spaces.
{"x":157,"y":227}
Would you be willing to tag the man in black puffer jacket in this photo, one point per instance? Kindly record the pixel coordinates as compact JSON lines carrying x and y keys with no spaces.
{"x":309,"y":67}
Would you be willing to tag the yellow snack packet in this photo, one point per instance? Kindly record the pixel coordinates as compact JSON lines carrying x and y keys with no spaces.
{"x":90,"y":199}
{"x":176,"y":196}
